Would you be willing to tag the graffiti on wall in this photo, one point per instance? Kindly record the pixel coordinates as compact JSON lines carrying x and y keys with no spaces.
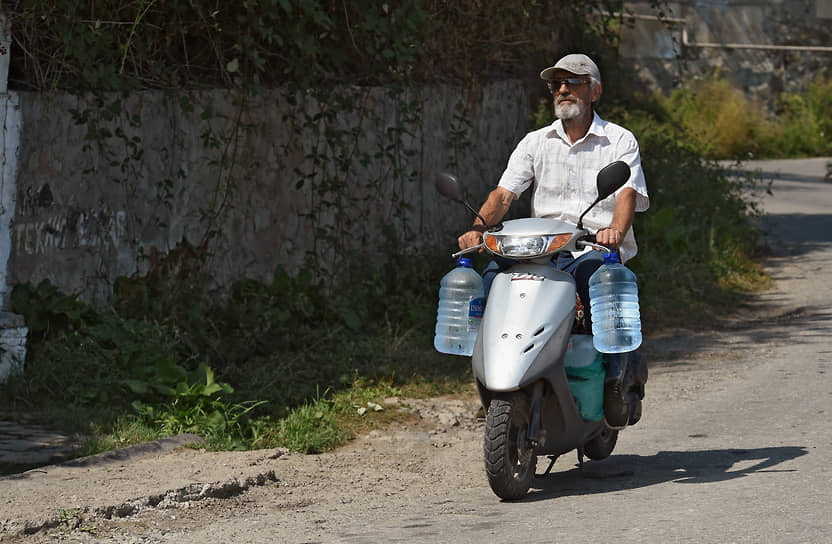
{"x":43,"y":227}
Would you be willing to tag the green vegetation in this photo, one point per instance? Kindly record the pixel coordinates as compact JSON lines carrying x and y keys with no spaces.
{"x":703,"y":223}
{"x":718,"y":121}
{"x":128,"y":44}
{"x":712,"y":119}
{"x":305,"y":363}
{"x":697,"y":245}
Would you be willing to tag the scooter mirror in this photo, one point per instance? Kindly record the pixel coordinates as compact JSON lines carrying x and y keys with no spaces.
{"x":611,"y":178}
{"x":449,"y":187}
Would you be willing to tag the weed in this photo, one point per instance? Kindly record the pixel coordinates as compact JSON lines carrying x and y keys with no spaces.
{"x":311,"y":428}
{"x":147,"y":367}
{"x":806,"y":126}
{"x":67,"y":515}
{"x":124,"y":431}
{"x":716,"y":118}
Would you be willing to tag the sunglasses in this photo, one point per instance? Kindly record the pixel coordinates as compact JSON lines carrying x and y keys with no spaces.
{"x":555,"y":84}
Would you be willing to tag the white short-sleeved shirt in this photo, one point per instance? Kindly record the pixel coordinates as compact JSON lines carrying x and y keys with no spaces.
{"x":563,"y":174}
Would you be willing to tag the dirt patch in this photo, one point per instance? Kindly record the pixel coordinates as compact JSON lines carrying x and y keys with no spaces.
{"x":160,"y":487}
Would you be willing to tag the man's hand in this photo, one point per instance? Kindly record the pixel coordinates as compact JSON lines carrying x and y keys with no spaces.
{"x":622,"y":219}
{"x":495,"y":207}
{"x":609,"y":237}
{"x":470,"y":239}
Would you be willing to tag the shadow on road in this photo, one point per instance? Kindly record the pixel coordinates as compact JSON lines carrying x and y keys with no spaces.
{"x":621,"y":472}
{"x":772,"y":323}
{"x":775,"y":175}
{"x":797,"y":233}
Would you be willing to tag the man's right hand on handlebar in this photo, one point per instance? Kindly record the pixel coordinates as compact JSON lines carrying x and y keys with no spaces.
{"x":470,"y":239}
{"x":495,"y":207}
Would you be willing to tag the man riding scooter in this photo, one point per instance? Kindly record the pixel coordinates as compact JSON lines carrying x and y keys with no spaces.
{"x":560,"y":162}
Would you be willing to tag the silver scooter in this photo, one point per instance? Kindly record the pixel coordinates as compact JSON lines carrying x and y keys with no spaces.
{"x":519,"y":355}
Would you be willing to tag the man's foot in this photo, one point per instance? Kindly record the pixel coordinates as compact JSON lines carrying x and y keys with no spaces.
{"x":616,"y":409}
{"x":626,"y":374}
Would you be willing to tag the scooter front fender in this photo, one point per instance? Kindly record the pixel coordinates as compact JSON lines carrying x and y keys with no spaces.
{"x":529,"y":307}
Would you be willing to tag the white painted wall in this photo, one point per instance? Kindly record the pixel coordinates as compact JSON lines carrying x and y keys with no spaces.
{"x":12,"y":329}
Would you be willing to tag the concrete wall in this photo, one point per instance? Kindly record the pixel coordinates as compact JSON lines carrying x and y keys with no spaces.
{"x":764,"y":46}
{"x":89,"y":211}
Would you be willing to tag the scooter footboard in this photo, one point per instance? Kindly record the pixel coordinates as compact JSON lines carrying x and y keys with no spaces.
{"x":562,"y":428}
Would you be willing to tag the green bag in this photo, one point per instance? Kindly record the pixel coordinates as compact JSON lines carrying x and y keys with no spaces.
{"x":587,"y":385}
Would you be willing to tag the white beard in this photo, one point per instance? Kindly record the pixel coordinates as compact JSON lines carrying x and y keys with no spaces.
{"x":569,"y":110}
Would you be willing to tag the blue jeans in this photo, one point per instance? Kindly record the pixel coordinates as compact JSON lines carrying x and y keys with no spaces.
{"x":580,"y":269}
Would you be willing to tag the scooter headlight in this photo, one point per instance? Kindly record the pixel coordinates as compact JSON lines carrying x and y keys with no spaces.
{"x":519,"y":247}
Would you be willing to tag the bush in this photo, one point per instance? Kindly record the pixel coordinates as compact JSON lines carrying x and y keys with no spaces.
{"x":805,"y":122}
{"x":714,"y":119}
{"x":698,"y":240}
{"x":123,"y":44}
{"x":163,"y":360}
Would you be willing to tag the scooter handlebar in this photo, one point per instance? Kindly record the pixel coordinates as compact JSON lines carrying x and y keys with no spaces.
{"x":591,"y":241}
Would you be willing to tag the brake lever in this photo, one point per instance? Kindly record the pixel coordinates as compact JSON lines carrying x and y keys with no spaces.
{"x":590,"y":241}
{"x":467,"y":250}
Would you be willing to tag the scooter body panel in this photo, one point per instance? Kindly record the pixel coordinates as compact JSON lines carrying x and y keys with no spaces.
{"x":523,"y":336}
{"x":529,"y":313}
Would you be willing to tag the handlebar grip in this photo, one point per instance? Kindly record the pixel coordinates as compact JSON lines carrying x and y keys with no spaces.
{"x":591,"y":239}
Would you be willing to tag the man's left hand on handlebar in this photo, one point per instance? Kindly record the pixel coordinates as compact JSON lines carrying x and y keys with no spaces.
{"x":609,"y":237}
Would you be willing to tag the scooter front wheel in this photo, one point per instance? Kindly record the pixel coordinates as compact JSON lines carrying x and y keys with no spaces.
{"x":510,"y":460}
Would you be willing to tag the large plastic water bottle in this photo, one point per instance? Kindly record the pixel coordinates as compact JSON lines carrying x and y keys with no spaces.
{"x":613,"y":299}
{"x":460,"y":310}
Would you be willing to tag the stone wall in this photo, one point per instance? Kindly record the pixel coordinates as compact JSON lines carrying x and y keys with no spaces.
{"x":763,"y":46}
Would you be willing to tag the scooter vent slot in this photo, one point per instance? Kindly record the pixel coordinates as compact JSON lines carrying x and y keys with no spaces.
{"x":528,"y":348}
{"x":539,"y":331}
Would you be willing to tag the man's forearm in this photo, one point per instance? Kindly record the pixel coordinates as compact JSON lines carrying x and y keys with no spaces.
{"x":622,"y":220}
{"x":496,"y":206}
{"x":625,"y":210}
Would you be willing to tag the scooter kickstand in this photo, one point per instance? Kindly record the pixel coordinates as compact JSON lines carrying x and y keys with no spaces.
{"x":552,"y":459}
{"x":581,"y":459}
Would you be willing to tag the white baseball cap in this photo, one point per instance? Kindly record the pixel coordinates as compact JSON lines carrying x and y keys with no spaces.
{"x":576,"y":63}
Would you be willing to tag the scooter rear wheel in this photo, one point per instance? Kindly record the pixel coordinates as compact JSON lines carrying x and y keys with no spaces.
{"x":602,"y":445}
{"x":510,"y":460}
